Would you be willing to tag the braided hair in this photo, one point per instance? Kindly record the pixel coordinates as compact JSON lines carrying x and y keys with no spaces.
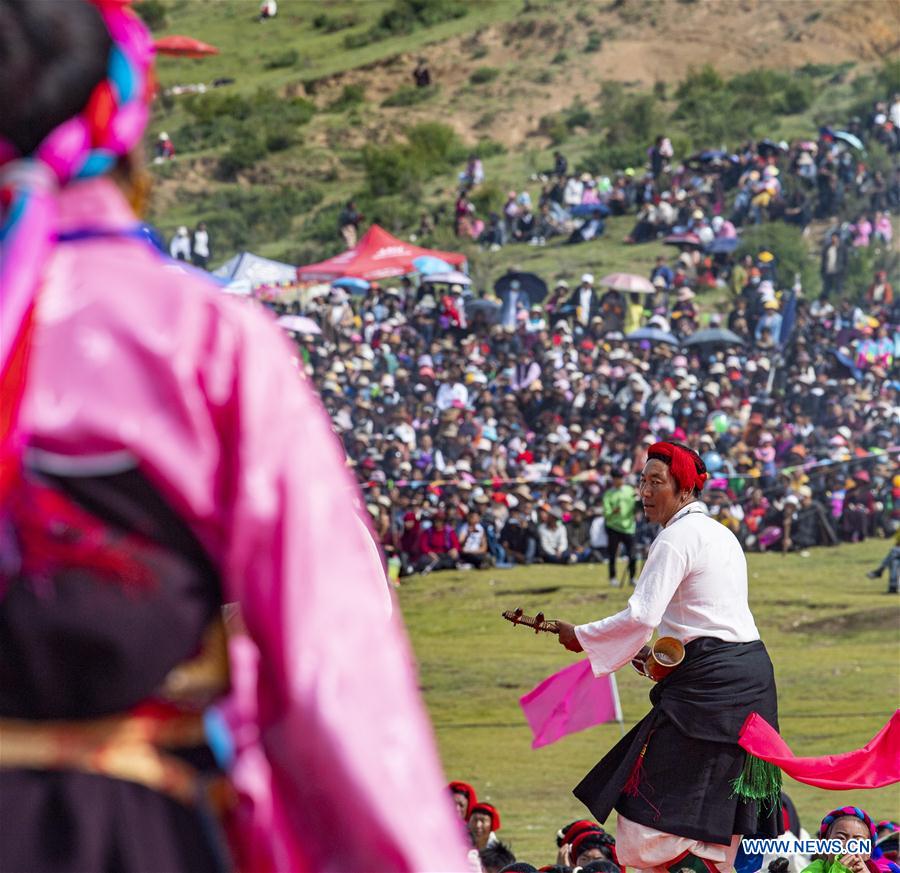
{"x":52,"y":55}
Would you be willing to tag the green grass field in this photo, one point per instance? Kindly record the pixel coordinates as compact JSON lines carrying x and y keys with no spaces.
{"x":832,"y":635}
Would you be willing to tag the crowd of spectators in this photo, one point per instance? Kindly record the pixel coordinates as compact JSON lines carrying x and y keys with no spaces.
{"x":586,"y":847}
{"x":711,"y":193}
{"x":488,"y":431}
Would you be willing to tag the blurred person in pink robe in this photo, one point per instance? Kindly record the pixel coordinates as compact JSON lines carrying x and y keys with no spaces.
{"x":162,"y":455}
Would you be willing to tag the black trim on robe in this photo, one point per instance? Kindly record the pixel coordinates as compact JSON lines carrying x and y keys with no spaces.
{"x":76,"y":644}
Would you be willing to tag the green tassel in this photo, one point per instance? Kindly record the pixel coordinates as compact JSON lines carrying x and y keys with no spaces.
{"x":759,"y":780}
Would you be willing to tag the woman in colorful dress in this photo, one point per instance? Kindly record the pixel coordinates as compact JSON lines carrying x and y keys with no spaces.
{"x":160,"y":455}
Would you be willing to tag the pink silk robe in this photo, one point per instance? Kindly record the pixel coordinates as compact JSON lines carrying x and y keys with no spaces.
{"x":135,"y":356}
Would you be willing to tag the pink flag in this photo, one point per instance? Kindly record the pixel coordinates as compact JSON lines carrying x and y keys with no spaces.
{"x":570,"y":701}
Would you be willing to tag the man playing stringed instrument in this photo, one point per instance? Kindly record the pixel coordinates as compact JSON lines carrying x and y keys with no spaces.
{"x":683,"y":789}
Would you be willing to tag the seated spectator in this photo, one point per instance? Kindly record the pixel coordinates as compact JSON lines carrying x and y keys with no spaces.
{"x":589,"y":229}
{"x":807,"y":524}
{"x":845,"y":824}
{"x":579,"y":534}
{"x":525,"y":225}
{"x":519,"y":538}
{"x":552,"y":539}
{"x":464,"y":798}
{"x":164,"y":149}
{"x":592,"y":846}
{"x":438,"y":546}
{"x":484,"y":822}
{"x":268,"y":9}
{"x":473,"y":542}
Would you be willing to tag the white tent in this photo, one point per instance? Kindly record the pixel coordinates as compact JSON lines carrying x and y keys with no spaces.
{"x":247,"y":268}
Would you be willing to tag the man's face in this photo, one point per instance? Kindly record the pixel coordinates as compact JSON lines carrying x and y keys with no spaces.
{"x":658,"y":492}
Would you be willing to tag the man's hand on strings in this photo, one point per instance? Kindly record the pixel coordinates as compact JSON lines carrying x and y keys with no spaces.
{"x":567,"y":637}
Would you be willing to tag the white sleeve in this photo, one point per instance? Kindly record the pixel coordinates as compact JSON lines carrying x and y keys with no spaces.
{"x":612,"y":642}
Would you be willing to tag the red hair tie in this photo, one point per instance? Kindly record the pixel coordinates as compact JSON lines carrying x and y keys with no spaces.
{"x":682,"y":464}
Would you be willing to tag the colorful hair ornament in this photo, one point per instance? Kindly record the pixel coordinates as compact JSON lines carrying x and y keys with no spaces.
{"x":88,"y":144}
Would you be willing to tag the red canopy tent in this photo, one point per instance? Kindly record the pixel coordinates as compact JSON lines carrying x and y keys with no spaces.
{"x":184,"y":47}
{"x":378,"y":255}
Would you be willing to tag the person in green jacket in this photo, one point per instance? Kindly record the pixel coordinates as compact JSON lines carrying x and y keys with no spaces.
{"x":845,"y":824}
{"x":620,"y":502}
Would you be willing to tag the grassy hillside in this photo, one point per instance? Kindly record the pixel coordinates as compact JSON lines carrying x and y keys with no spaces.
{"x":832,"y":635}
{"x":321,"y":107}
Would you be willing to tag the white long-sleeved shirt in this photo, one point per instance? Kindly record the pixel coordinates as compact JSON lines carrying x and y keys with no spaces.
{"x":554,"y":540}
{"x":694,"y":584}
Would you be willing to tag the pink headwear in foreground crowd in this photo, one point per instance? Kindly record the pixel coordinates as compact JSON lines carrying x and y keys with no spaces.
{"x":134,"y":359}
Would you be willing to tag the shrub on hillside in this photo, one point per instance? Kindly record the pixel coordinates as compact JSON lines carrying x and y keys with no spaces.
{"x":577,"y":115}
{"x":409,"y":95}
{"x":238,"y":217}
{"x":333,"y":23}
{"x":390,"y":169}
{"x":488,"y":197}
{"x":483,"y":75}
{"x":285,"y":59}
{"x":221,"y":119}
{"x":436,"y":145}
{"x":554,"y":126}
{"x":405,"y":16}
{"x":242,"y":155}
{"x":153,"y":12}
{"x":594,"y":42}
{"x":889,"y":76}
{"x":350,"y":96}
{"x":400,"y":167}
{"x":395,"y":213}
{"x":716,"y":111}
{"x":487,"y":148}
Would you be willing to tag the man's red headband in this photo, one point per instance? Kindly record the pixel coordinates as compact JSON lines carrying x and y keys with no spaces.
{"x":682,"y":464}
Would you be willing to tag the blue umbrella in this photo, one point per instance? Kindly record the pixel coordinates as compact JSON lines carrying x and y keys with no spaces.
{"x":352,"y":284}
{"x":587,"y":210}
{"x":426,"y":264}
{"x":652,"y":335}
{"x":724,"y":245}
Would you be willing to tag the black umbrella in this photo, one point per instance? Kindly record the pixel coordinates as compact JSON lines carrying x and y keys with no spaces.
{"x":652,"y":335}
{"x":534,"y":286}
{"x":767,"y":147}
{"x":714,"y":336}
{"x":477,"y":305}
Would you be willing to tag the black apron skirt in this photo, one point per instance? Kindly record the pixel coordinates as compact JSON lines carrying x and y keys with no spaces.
{"x":682,"y":784}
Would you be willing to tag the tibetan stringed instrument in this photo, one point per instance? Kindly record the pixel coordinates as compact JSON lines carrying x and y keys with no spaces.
{"x":537,"y":623}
